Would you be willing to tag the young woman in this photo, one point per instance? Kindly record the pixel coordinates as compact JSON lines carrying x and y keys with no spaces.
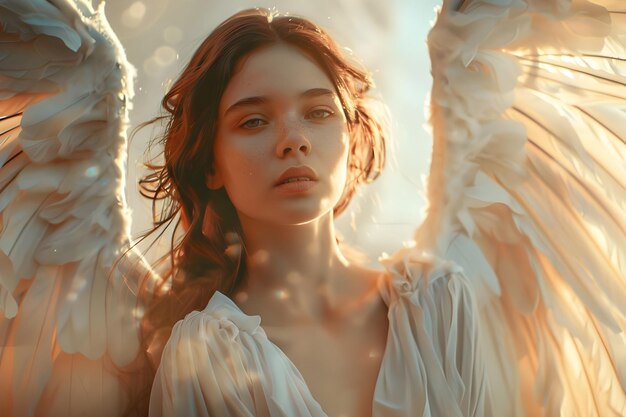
{"x":510,"y":302}
{"x":269,"y":136}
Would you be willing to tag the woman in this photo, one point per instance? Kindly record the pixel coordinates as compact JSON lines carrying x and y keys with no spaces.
{"x":268,"y":135}
{"x":275,"y":119}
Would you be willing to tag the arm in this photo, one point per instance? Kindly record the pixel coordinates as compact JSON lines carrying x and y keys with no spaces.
{"x":434,"y":347}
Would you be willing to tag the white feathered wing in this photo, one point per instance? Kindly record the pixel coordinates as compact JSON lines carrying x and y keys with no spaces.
{"x":527,"y":194}
{"x":65,"y":86}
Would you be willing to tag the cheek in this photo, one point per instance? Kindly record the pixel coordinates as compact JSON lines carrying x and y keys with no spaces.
{"x":342,"y":150}
{"x":338,"y":154}
{"x":241,"y":171}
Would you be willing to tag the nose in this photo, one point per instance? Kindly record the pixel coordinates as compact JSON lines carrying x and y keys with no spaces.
{"x":292,"y":138}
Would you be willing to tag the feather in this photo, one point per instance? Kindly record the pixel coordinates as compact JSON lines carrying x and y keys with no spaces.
{"x":527,"y":193}
{"x":67,"y":327}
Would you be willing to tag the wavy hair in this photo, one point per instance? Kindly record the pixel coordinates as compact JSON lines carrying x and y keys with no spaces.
{"x":202,"y":259}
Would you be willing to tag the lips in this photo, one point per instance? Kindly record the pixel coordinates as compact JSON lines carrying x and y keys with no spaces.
{"x":302,"y":172}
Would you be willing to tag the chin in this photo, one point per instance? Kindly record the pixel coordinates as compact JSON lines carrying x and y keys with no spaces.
{"x":300,"y":214}
{"x":298,"y":218}
{"x":291,"y":212}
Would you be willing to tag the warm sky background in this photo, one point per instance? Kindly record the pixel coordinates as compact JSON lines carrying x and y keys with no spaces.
{"x":390,"y":39}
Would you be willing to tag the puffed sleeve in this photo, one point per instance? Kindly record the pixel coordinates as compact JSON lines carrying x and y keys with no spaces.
{"x":220,"y":363}
{"x":433,"y":365}
{"x":204,"y":370}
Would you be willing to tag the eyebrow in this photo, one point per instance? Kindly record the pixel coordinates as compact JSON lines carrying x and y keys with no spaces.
{"x":257,"y":100}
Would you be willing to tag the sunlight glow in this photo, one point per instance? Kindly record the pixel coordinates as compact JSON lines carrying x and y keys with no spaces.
{"x":133,"y":16}
{"x":281,"y":294}
{"x":165,"y":55}
{"x":172,"y":35}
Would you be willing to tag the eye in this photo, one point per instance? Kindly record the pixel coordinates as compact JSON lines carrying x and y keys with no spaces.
{"x":319,"y":114}
{"x":252,"y":123}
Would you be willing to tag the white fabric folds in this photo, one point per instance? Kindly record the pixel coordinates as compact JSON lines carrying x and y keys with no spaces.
{"x":219,"y":362}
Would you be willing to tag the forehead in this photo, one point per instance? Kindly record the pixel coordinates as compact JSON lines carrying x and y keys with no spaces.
{"x":276,"y":71}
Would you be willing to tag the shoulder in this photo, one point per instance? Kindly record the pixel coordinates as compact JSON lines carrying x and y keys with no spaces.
{"x":420,"y":276}
{"x":220,"y":325}
{"x":206,"y":357}
{"x":434,"y":317}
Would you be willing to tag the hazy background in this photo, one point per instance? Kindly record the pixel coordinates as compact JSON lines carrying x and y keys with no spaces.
{"x":389,"y":38}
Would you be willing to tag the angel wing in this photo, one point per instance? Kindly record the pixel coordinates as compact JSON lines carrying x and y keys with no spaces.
{"x":527,"y":194}
{"x":67,"y":326}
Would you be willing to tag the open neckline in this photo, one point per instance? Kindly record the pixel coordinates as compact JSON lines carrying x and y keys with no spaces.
{"x":224,"y":307}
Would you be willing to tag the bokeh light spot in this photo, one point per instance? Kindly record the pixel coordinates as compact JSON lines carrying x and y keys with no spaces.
{"x":281,"y":294}
{"x":151,"y":67}
{"x":260,"y":257}
{"x":92,"y":171}
{"x":172,"y":35}
{"x":165,"y":55}
{"x":241,"y":297}
{"x":133,"y":16}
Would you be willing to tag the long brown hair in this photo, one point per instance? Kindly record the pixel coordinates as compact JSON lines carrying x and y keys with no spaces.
{"x":201,"y":261}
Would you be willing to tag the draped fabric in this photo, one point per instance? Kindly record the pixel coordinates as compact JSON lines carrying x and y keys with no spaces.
{"x":512,"y":302}
{"x":220,"y":362}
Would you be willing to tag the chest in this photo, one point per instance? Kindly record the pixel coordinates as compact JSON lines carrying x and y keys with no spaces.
{"x":340,"y":364}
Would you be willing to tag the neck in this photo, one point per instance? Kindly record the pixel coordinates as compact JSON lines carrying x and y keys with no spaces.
{"x":279,"y":255}
{"x":299,"y":264}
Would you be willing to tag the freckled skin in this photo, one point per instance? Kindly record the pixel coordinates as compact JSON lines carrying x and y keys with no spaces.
{"x":322,"y":311}
{"x":290,"y":131}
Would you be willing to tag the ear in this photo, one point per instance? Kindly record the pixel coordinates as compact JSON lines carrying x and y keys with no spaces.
{"x":214,"y":181}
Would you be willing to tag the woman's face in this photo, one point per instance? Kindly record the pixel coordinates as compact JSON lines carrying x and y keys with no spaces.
{"x":280,"y":110}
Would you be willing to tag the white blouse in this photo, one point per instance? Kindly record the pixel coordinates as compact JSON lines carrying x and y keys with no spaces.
{"x":219,"y":362}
